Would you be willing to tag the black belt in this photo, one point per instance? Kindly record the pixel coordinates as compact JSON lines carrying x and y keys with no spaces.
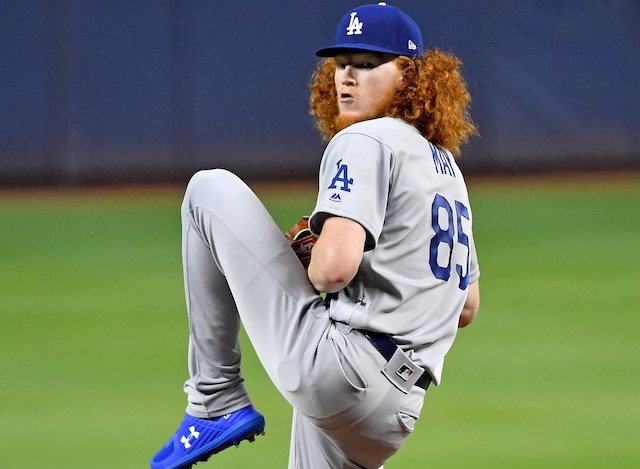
{"x":387,"y":347}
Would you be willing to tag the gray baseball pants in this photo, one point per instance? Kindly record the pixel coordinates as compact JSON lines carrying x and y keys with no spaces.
{"x":239,"y":269}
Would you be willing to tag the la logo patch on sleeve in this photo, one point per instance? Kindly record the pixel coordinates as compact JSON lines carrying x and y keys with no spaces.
{"x":341,"y":181}
{"x":341,"y":178}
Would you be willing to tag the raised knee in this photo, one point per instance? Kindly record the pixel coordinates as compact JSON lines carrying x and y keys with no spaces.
{"x":210,"y":178}
{"x":212,"y":184}
{"x":211,"y":181}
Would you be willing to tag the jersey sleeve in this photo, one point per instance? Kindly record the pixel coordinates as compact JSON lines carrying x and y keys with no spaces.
{"x":354,"y":183}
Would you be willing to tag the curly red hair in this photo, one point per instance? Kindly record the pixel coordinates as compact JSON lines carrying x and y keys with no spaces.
{"x":435,"y":100}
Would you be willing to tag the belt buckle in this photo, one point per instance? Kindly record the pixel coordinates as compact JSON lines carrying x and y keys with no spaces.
{"x":402,"y":371}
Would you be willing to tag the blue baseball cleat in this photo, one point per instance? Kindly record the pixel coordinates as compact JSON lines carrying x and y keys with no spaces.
{"x":197,"y":439}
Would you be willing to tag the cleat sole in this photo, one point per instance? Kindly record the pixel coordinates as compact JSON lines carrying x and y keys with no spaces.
{"x":206,"y":456}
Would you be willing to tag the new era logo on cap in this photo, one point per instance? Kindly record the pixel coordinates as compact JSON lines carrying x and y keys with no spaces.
{"x":376,"y":28}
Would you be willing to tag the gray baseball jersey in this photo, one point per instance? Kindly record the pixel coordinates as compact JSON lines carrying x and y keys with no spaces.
{"x":410,"y":197}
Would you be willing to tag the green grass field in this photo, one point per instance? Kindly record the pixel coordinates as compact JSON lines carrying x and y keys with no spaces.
{"x":93,"y":333}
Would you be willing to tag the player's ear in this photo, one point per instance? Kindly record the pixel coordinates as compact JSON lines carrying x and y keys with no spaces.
{"x":403,"y":82}
{"x":407,"y":69}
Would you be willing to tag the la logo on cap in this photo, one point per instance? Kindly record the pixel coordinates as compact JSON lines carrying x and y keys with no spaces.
{"x":355,"y":25}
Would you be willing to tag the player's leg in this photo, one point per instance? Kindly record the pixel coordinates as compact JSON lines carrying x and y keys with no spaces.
{"x":378,"y":436}
{"x":215,"y":385}
{"x":363,"y":435}
{"x":311,"y":448}
{"x":237,"y":260}
{"x":368,"y":431}
{"x":238,"y":265}
{"x":230,"y":237}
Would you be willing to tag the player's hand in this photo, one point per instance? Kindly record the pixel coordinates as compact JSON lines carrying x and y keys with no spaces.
{"x":301,"y":240}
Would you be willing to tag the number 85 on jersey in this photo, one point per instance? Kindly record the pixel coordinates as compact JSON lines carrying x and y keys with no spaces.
{"x":448,"y":222}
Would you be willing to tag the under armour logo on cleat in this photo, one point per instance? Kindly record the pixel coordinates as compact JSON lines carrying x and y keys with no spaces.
{"x":186,"y":440}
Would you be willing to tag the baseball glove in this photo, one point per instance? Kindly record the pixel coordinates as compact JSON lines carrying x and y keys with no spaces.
{"x":301,"y":240}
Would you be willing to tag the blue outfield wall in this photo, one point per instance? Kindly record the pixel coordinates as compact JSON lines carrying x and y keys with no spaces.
{"x":154,"y":90}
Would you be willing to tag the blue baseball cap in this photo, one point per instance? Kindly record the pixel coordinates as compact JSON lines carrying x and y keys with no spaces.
{"x":376,"y":28}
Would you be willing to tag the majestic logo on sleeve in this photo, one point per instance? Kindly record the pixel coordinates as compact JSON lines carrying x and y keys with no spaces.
{"x":355,"y":25}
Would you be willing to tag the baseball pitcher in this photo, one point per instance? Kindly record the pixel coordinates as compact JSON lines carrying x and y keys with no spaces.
{"x":352,"y":312}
